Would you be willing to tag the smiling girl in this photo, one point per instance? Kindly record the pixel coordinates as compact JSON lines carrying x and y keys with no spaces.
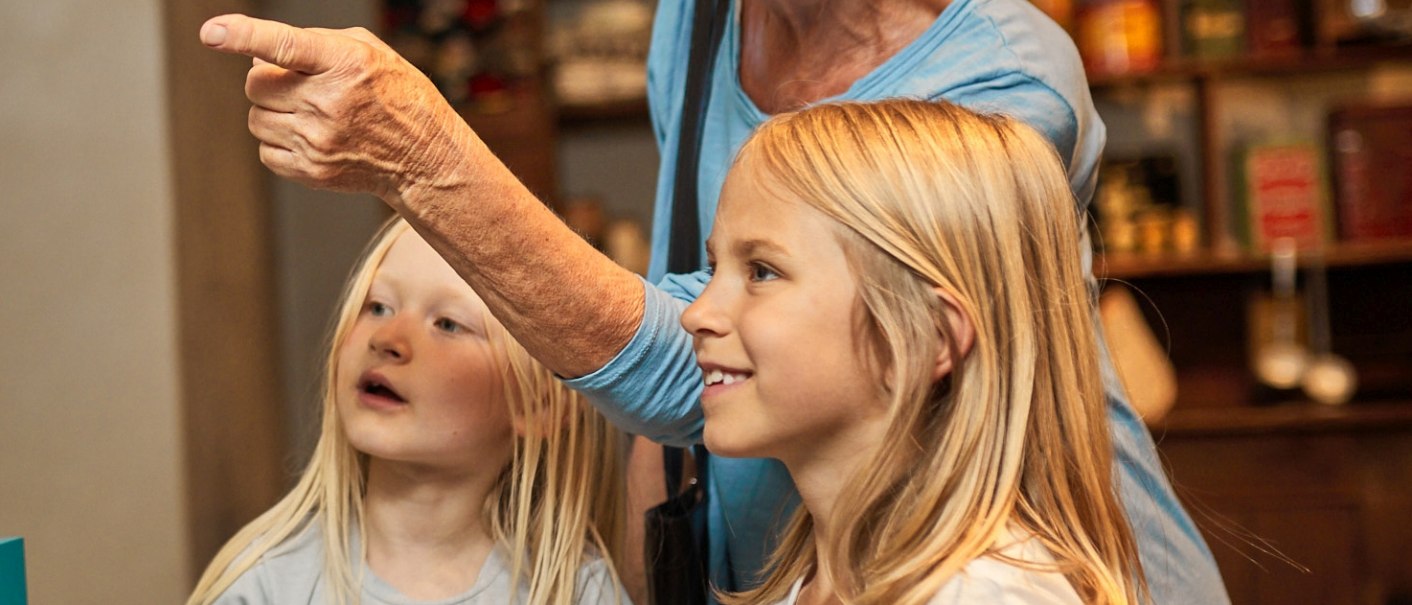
{"x":451,"y":467}
{"x":898,"y":315}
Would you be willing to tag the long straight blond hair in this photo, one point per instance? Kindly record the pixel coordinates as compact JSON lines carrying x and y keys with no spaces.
{"x":559,"y":502}
{"x":928,"y":195}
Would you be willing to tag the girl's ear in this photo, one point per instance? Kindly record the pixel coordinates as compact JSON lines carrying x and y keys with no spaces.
{"x":962,"y":330}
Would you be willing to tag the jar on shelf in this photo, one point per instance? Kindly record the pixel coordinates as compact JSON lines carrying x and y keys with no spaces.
{"x":1061,"y":11}
{"x":1120,"y":36}
{"x":1213,"y":29}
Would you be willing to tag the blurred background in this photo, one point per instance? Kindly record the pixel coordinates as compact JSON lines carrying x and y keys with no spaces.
{"x":165,"y":299}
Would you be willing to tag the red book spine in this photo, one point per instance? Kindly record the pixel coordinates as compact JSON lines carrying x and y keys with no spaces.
{"x":1372,"y":165}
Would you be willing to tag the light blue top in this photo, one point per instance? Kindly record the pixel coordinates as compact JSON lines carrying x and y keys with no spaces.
{"x":997,"y":56}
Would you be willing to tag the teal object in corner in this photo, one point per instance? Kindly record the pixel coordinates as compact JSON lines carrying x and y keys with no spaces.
{"x":12,"y":572}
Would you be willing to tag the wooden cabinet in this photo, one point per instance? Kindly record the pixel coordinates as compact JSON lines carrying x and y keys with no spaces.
{"x":1300,"y":502}
{"x":523,"y":136}
{"x":1300,"y":505}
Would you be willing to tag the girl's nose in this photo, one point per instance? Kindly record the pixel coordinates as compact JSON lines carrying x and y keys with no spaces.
{"x":390,"y":340}
{"x":704,"y":316}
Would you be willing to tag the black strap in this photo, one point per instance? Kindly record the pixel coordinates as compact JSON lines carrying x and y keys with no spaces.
{"x":674,"y":465}
{"x":672,"y":462}
{"x":684,"y":245}
{"x":707,"y":29}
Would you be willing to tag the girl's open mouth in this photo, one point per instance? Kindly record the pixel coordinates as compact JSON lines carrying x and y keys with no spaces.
{"x":375,"y":390}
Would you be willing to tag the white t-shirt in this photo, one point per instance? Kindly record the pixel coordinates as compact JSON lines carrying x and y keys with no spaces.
{"x":989,"y":580}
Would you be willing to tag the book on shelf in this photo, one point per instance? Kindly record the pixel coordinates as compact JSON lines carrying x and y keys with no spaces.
{"x":1283,"y":192}
{"x":1275,"y":27}
{"x":1372,"y":171}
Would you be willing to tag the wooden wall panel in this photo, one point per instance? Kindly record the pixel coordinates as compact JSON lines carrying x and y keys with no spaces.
{"x":227,"y":315}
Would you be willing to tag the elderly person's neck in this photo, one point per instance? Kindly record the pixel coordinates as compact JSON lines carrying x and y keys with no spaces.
{"x":795,"y":52}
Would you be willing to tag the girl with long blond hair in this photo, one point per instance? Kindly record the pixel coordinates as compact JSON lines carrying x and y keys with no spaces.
{"x":451,"y":467}
{"x":897,"y":313}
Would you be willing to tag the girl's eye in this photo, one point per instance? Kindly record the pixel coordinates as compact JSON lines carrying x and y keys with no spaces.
{"x":761,"y":272}
{"x":449,"y":326}
{"x":378,"y":309}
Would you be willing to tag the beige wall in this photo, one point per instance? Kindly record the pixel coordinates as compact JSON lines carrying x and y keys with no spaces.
{"x":92,"y":459}
{"x":90,"y":455}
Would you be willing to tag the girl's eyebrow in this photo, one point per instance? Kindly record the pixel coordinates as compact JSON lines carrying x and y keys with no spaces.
{"x":751,"y":247}
{"x":388,"y":278}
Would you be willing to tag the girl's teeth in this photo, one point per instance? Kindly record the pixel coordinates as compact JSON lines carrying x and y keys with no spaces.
{"x":719,"y":377}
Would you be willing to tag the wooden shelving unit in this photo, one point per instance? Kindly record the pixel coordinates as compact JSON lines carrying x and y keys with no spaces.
{"x":1297,"y":63}
{"x":1325,"y":486}
{"x":1204,"y":76}
{"x":609,"y":113}
{"x":1297,"y":416}
{"x":1345,"y":254}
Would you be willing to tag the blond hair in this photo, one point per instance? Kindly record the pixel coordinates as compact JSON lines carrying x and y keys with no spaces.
{"x":557,"y":503}
{"x":929,"y":195}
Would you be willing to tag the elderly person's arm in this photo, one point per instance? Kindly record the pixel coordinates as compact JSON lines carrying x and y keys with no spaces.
{"x":341,"y":110}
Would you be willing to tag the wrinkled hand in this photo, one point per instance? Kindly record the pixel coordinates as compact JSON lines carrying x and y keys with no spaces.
{"x":339,"y":109}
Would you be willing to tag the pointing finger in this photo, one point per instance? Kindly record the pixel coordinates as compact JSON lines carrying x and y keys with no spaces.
{"x":284,"y":45}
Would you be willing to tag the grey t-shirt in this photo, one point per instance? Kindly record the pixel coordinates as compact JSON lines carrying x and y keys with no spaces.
{"x":293,"y":573}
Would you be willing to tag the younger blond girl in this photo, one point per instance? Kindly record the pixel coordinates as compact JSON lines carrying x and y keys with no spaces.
{"x":897,"y":313}
{"x":450,"y":468}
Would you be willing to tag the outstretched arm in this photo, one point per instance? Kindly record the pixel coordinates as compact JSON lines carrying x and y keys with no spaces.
{"x":341,"y":110}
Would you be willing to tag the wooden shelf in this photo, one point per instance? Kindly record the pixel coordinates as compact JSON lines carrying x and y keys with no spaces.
{"x":1284,"y":418}
{"x":613,"y":111}
{"x":1301,"y":62}
{"x":1345,"y":254}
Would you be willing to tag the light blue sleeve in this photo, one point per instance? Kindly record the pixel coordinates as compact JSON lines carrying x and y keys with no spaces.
{"x":653,"y":387}
{"x":666,"y":57}
{"x":1078,"y":139}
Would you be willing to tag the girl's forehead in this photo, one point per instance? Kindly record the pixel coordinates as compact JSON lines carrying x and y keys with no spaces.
{"x":410,"y":254}
{"x":752,"y":191}
{"x":410,"y":262}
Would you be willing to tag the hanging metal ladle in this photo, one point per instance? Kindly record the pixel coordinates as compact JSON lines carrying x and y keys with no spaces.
{"x":1329,"y":379}
{"x":1281,"y":362}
